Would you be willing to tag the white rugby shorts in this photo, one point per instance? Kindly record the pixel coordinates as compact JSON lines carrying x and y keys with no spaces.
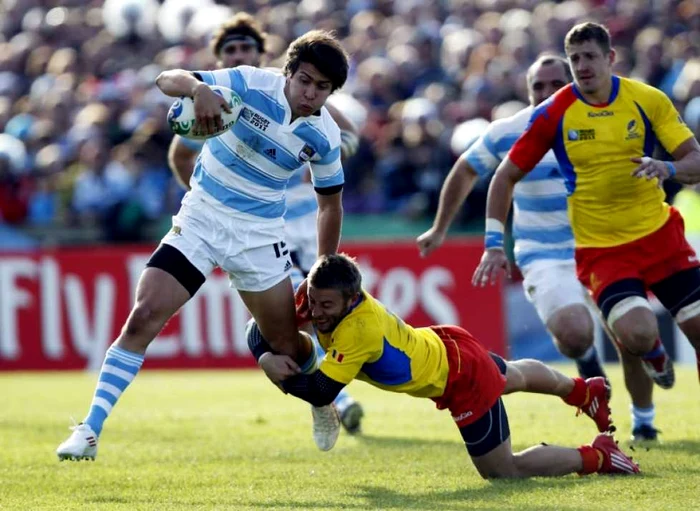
{"x":551,"y":286}
{"x":253,"y":254}
{"x":302,"y":237}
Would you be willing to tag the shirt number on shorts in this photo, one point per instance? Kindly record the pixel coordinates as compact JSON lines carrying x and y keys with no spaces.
{"x":280,"y":249}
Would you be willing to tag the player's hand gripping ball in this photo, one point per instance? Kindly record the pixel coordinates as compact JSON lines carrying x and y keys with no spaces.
{"x":181,"y":116}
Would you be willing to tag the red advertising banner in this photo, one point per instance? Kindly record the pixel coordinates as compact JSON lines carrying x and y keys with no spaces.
{"x":62,"y":309}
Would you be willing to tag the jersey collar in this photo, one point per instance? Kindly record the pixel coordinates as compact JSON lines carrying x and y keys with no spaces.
{"x":613,"y":93}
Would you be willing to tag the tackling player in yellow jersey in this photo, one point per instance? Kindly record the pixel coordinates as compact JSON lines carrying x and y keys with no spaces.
{"x":365,"y":341}
{"x":603,"y":130}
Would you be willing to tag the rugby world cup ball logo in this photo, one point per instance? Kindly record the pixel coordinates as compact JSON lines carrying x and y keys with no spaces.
{"x":233,"y":99}
{"x":178,"y":126}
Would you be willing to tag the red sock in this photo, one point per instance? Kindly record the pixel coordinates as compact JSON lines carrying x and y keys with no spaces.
{"x":592,"y":459}
{"x":579,"y":394}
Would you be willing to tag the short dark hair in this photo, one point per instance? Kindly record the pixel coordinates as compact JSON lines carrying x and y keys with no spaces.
{"x":589,"y":31}
{"x":337,"y":271}
{"x":547,"y":59}
{"x":242,"y":25}
{"x":321,"y":49}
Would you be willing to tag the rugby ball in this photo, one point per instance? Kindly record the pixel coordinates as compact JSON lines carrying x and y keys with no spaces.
{"x":181,"y":118}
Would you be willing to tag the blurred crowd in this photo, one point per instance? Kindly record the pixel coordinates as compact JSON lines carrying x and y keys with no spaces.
{"x":83,"y":132}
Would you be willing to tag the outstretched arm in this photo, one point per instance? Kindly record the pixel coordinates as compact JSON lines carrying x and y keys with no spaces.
{"x":315,"y":388}
{"x":455,"y":190}
{"x":497,"y":206}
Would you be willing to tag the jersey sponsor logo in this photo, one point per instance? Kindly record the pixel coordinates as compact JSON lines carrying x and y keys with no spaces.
{"x":335,"y":355}
{"x":306,"y":153}
{"x":576,"y":135}
{"x":462,"y":416}
{"x":632,"y":131}
{"x":255,"y":119}
{"x":602,"y":113}
{"x":244,"y":151}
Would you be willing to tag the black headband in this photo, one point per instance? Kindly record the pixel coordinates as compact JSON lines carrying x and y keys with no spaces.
{"x":241,"y":38}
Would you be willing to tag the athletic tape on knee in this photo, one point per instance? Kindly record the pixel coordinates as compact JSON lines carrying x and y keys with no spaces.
{"x":689,"y":311}
{"x":624,"y":306}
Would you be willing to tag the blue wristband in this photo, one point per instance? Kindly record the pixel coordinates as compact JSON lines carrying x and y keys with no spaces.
{"x":671,"y":168}
{"x":493,"y":239}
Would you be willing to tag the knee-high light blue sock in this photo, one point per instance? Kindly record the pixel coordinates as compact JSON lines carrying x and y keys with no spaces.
{"x":118,"y":370}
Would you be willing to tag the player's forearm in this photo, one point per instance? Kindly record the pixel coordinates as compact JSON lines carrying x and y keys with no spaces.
{"x":497,"y":206}
{"x":178,"y":82}
{"x":329,"y":223}
{"x":499,"y":197}
{"x":316,"y":388}
{"x":457,"y":187}
{"x":181,"y":162}
{"x":688,"y":168}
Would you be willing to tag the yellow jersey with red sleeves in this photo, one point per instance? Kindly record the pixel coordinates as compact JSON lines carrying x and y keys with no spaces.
{"x":373,"y":345}
{"x":594,"y":144}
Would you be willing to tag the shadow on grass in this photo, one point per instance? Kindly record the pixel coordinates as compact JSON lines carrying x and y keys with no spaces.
{"x":391,"y":442}
{"x":498,"y":492}
{"x":686,"y":446}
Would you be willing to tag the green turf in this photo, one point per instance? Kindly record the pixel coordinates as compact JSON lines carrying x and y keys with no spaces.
{"x":230,"y":440}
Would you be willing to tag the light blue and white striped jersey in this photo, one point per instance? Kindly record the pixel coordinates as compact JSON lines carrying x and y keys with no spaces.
{"x":301,"y":197}
{"x":247,"y":169}
{"x":541,"y":227}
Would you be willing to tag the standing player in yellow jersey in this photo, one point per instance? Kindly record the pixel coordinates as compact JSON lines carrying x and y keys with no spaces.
{"x":603,"y":130}
{"x":364,"y":341}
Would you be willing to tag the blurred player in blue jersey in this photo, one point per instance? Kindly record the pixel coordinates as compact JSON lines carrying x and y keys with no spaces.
{"x":365,"y":341}
{"x":544,"y":242}
{"x":241,"y":42}
{"x":233,"y":216}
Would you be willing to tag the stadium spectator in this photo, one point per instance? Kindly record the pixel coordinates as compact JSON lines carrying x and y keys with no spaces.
{"x":88,"y":68}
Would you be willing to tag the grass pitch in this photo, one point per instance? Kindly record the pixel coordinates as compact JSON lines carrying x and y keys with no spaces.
{"x":230,"y":440}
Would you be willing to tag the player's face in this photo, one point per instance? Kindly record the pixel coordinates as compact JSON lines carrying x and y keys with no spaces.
{"x":546,"y":80}
{"x":328,"y":307}
{"x":239,"y":53}
{"x":307,"y":90}
{"x":590,"y":65}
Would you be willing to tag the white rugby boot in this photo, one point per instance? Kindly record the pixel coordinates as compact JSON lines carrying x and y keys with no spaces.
{"x":80,"y":445}
{"x":326,"y":426}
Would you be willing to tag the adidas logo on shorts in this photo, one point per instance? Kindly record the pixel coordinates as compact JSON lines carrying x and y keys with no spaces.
{"x":288,"y":265}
